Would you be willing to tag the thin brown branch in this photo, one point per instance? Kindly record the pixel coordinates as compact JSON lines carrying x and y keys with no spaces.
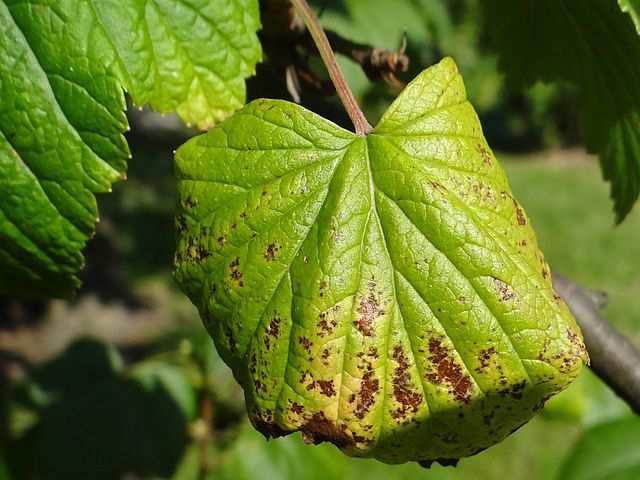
{"x":289,"y":45}
{"x":360,"y":123}
{"x":613,"y":357}
{"x":377,"y":63}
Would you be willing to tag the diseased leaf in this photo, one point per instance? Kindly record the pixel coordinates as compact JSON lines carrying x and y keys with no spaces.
{"x":632,"y":7}
{"x":606,"y":452}
{"x":384,"y":293}
{"x":63,"y":64}
{"x":564,"y":40}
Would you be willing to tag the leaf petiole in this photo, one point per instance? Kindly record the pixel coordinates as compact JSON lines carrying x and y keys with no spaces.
{"x":360,"y":123}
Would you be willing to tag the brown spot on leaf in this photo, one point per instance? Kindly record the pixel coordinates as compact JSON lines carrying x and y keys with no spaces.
{"x":297,"y":408}
{"x":369,"y":309}
{"x":231,"y":339}
{"x":519,"y":213}
{"x":448,"y":372}
{"x":326,"y":387}
{"x":306,"y":343}
{"x":484,"y":153}
{"x":327,"y":322}
{"x":189,"y":202}
{"x":274,"y":326}
{"x":369,"y":387}
{"x":320,"y":429}
{"x":514,"y":391}
{"x":408,"y":399}
{"x":264,"y":424}
{"x":202,"y":253}
{"x":260,"y":387}
{"x":504,"y":289}
{"x":271,"y":251}
{"x":181,"y":223}
{"x":437,"y":186}
{"x":485,"y":358}
{"x":234,"y":266}
{"x":325,"y":357}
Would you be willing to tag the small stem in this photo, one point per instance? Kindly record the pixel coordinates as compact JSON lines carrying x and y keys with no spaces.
{"x":360,"y":123}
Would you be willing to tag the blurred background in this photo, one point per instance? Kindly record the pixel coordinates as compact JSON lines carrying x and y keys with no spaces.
{"x":124,"y":383}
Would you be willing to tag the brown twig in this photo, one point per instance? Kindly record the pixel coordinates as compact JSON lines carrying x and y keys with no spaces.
{"x":613,"y":358}
{"x":289,"y":44}
{"x":360,"y":123}
{"x":205,"y":437}
{"x":377,"y":63}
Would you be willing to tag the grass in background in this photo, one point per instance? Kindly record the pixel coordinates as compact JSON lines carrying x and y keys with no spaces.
{"x":573,"y":216}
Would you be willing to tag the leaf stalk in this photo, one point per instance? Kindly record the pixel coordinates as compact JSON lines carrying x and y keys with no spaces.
{"x":360,"y":123}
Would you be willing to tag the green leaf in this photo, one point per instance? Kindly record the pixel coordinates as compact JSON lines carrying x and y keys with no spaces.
{"x":632,"y":7}
{"x":188,"y":56}
{"x":606,"y":452}
{"x":152,"y":375}
{"x":562,"y":40}
{"x":384,"y":293}
{"x":63,"y":64}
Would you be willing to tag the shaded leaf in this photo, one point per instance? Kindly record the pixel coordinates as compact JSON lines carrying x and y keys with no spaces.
{"x":63,"y":64}
{"x":154,"y":374}
{"x":606,"y":452}
{"x":113,"y":428}
{"x":632,"y":7}
{"x":552,"y":40}
{"x":384,"y":293}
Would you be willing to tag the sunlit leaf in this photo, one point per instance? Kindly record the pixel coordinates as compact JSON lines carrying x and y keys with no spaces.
{"x":384,"y":293}
{"x":63,"y":65}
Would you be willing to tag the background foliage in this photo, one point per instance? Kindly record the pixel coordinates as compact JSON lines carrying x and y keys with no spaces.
{"x":124,"y":381}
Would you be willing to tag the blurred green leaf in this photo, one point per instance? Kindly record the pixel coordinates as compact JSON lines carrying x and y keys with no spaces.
{"x":4,"y":471}
{"x":632,"y":7}
{"x":562,"y":40}
{"x":189,"y":466}
{"x":115,"y":427}
{"x":606,"y":452}
{"x":152,"y":375}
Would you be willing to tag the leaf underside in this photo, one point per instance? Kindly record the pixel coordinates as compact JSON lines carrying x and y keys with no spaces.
{"x":63,"y":65}
{"x":593,"y":45}
{"x":385,"y":293}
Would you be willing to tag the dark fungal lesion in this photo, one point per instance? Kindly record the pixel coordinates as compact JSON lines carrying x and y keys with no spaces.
{"x":405,"y":395}
{"x":505,"y":291}
{"x":448,"y":372}
{"x":236,"y":274}
{"x":365,"y":398}
{"x":484,"y":358}
{"x":327,"y":322}
{"x":271,"y":251}
{"x":515,"y":391}
{"x":369,"y":309}
{"x":188,"y":202}
{"x":484,"y":153}
{"x":326,"y":387}
{"x":316,"y":429}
